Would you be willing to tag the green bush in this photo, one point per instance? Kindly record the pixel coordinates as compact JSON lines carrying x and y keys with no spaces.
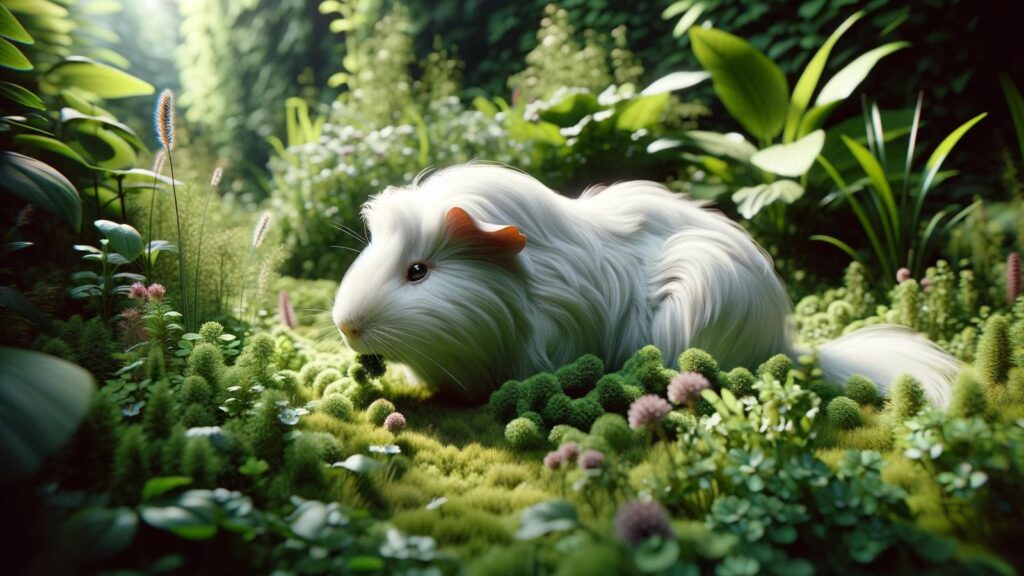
{"x":580,"y":377}
{"x":535,"y":391}
{"x":844,"y":413}
{"x":338,"y":406}
{"x":558,"y":410}
{"x":207,"y":361}
{"x":777,"y":366}
{"x":862,"y":390}
{"x":740,"y":382}
{"x":379,"y":410}
{"x":583,"y":413}
{"x":562,"y":433}
{"x":89,"y":458}
{"x":523,"y":434}
{"x":131,"y":467}
{"x":994,"y":351}
{"x":503,"y":401}
{"x":612,"y":394}
{"x":968,"y":397}
{"x":615,"y":430}
{"x":200,"y":462}
{"x":265,"y":429}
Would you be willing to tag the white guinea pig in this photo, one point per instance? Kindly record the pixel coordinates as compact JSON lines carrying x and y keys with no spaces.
{"x":479,"y":274}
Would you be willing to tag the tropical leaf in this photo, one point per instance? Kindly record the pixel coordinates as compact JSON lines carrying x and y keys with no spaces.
{"x":11,"y":29}
{"x":48,"y":144}
{"x":100,"y":79}
{"x":840,"y":86}
{"x":732,"y":145}
{"x":124,"y":238}
{"x":750,"y":200}
{"x":11,"y":57}
{"x":752,"y":87}
{"x":42,"y":401}
{"x":21,"y":96}
{"x":793,"y":159}
{"x":675,"y":81}
{"x":641,"y":112}
{"x":41,"y":186}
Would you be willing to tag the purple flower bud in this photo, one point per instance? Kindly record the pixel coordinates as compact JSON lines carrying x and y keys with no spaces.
{"x":647,"y":410}
{"x":553,"y":459}
{"x":686,"y":387}
{"x":394,"y":422}
{"x":902,"y":275}
{"x":638,"y":521}
{"x":157,"y":291}
{"x":569,"y":451}
{"x":138,"y":291}
{"x":591,"y":460}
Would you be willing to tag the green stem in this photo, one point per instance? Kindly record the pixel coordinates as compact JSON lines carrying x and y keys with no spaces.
{"x":152,"y":236}
{"x":181,"y":247}
{"x":245,"y":277}
{"x":120,"y":198}
{"x":199,"y":253}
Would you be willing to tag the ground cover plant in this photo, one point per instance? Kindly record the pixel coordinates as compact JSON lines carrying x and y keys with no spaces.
{"x":176,"y":399}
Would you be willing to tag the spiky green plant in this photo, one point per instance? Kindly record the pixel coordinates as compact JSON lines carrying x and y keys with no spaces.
{"x":891,"y":214}
{"x":259,"y":234}
{"x":995,"y":353}
{"x":906,"y":397}
{"x":968,"y":398}
{"x":200,"y":462}
{"x":131,"y":467}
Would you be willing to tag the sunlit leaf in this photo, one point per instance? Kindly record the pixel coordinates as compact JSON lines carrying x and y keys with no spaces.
{"x":675,"y":81}
{"x":642,"y":112}
{"x":161,"y":485}
{"x":545,"y":518}
{"x":124,"y":238}
{"x":750,"y":200}
{"x":21,"y":96}
{"x":840,"y":86}
{"x":793,"y":159}
{"x":49,"y":145}
{"x":11,"y":57}
{"x":687,"y":20}
{"x":732,"y":145}
{"x":751,"y":86}
{"x":100,"y":79}
{"x":12,"y":29}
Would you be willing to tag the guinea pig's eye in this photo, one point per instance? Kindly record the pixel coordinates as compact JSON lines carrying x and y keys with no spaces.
{"x":416,"y":272}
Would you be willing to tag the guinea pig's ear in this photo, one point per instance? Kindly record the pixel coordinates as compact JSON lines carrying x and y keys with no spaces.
{"x":505,"y":241}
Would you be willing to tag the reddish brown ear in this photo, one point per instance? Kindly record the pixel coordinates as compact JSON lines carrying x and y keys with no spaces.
{"x":506,"y":241}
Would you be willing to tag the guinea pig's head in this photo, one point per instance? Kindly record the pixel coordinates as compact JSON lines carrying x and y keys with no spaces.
{"x":437,"y":289}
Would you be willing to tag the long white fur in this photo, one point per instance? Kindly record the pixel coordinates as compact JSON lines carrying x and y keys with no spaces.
{"x":607,"y":273}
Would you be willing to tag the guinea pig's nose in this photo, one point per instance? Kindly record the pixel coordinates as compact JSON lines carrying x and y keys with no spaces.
{"x":350,"y":329}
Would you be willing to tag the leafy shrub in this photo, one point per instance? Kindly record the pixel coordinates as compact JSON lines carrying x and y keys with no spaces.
{"x":615,"y":430}
{"x":861,"y":390}
{"x":906,"y":397}
{"x":338,"y":406}
{"x":580,"y":377}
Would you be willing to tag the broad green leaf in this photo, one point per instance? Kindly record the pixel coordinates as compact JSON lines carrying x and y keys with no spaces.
{"x":749,"y":201}
{"x":21,"y":96}
{"x":41,"y":186}
{"x":37,"y":8}
{"x":124,"y":239}
{"x":84,"y":103}
{"x":688,"y":20}
{"x":42,"y":401}
{"x":100,"y":79}
{"x":545,"y":518}
{"x":50,"y":145}
{"x":662,"y":144}
{"x":840,"y":86}
{"x":808,"y":81}
{"x":942,"y":151}
{"x":74,"y":117}
{"x":11,"y":299}
{"x":656,"y":555}
{"x":752,"y":87}
{"x":641,"y":112}
{"x":1016,"y":105}
{"x":161,"y":485}
{"x":106,"y":148}
{"x":675,"y":81}
{"x":98,"y":533}
{"x":793,"y":159}
{"x":12,"y":29}
{"x":11,"y":57}
{"x":732,"y":144}
{"x":486,"y":106}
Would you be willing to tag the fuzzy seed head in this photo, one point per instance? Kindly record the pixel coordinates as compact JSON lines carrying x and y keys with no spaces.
{"x":902,"y":275}
{"x":218,"y":175}
{"x":648,"y":410}
{"x":259,"y":233}
{"x":164,"y":118}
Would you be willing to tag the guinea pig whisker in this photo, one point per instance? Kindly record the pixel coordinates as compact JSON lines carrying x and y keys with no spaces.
{"x":342,"y":228}
{"x":409,"y":337}
{"x":350,"y":249}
